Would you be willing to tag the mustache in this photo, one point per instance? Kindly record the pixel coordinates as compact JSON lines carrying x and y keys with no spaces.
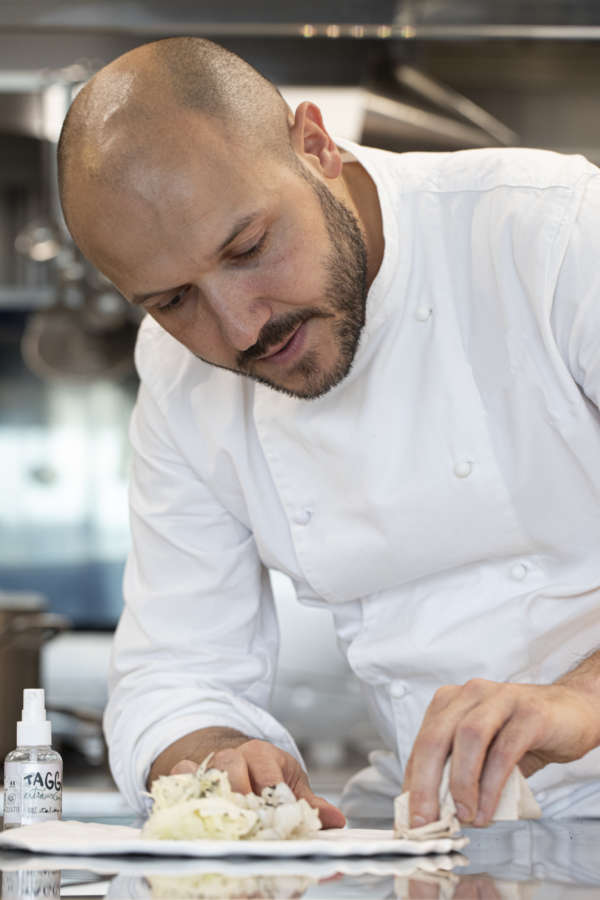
{"x":273,"y":333}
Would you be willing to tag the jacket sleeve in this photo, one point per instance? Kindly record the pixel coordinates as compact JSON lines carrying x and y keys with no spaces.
{"x":575,"y":314}
{"x":197,"y":643}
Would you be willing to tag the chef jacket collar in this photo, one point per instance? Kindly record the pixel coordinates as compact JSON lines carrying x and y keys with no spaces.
{"x":381,"y":300}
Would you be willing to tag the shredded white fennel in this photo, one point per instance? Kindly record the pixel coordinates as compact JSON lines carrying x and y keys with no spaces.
{"x":202,"y":805}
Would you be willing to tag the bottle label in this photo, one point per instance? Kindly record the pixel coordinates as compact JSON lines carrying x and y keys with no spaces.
{"x":27,"y":884}
{"x":32,"y":792}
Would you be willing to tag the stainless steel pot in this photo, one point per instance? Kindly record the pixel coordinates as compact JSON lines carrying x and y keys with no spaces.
{"x":24,"y":627}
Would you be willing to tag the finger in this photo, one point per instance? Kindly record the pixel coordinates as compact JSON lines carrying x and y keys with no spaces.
{"x":183,"y":767}
{"x":270,"y":766}
{"x":233,"y":762}
{"x":430,"y":751}
{"x":532,"y":762}
{"x":442,"y":698}
{"x":509,"y":747}
{"x":264,"y":762}
{"x":473,"y":737}
{"x":297,"y":779}
{"x":330,"y":815}
{"x":264,"y":773}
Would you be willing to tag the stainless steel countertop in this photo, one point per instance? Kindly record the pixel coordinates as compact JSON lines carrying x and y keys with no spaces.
{"x":544,"y":859}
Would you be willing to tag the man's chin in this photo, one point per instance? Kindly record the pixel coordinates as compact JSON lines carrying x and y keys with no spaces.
{"x":307,"y":381}
{"x":300,"y":393}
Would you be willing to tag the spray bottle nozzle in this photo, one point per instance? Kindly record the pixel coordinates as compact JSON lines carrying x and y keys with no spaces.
{"x":34,"y":709}
{"x":34,"y":728}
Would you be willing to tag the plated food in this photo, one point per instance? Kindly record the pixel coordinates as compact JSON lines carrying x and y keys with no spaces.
{"x":203,"y":805}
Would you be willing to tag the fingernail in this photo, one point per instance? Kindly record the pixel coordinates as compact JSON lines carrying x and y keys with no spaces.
{"x":464,"y":813}
{"x":417,"y":821}
{"x":480,"y":818}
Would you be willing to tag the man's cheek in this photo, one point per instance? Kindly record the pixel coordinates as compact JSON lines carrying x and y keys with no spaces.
{"x":293,"y":274}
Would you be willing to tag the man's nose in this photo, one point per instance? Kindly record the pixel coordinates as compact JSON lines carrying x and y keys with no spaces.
{"x":240,"y":312}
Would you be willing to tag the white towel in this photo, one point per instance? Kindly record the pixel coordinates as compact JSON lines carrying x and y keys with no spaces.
{"x":516,"y":802}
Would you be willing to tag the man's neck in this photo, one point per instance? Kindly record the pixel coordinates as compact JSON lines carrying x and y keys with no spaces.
{"x":361,"y":188}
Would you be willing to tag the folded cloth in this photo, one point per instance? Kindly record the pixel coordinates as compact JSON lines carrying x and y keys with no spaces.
{"x":516,"y":802}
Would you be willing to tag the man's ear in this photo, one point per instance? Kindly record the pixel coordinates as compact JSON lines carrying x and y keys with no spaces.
{"x":310,"y":139}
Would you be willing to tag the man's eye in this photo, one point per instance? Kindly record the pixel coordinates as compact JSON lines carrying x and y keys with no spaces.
{"x":175,"y":301}
{"x":253,"y":251}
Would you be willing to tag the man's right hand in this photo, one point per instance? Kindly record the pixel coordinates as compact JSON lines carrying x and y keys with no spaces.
{"x":251,"y":765}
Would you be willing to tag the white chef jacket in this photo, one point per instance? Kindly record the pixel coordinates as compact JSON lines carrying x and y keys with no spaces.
{"x":443,"y":500}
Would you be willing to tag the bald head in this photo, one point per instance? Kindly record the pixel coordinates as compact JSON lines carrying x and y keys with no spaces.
{"x":126,"y":113}
{"x":187,"y":180}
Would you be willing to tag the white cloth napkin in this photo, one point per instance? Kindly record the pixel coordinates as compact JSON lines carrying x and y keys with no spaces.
{"x":94,"y":838}
{"x":516,"y":802}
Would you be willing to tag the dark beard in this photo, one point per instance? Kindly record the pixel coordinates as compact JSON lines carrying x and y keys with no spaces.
{"x":346,"y":291}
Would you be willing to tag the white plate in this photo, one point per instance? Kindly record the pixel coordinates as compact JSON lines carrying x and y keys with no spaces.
{"x":319,"y":867}
{"x":91,"y":839}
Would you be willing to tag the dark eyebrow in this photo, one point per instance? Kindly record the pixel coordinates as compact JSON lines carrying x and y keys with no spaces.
{"x":239,"y":226}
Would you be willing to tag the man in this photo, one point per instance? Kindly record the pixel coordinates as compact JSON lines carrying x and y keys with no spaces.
{"x":379,"y":374}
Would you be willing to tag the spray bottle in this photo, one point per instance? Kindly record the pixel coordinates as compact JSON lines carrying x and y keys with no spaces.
{"x":32,"y":772}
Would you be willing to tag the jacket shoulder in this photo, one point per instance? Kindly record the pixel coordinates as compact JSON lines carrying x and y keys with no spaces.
{"x":511,"y":167}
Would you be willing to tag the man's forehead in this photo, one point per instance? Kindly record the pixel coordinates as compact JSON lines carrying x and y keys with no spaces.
{"x":178,"y":146}
{"x":208,"y":201}
{"x":165,"y":195}
{"x":145,"y":246}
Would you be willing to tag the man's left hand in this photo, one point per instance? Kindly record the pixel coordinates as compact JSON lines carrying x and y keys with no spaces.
{"x":490,"y":728}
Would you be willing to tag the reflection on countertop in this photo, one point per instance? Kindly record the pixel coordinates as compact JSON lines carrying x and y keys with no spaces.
{"x":527,"y":860}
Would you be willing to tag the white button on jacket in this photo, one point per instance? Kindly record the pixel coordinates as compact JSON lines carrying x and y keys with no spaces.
{"x":422,"y":313}
{"x":411,"y":559}
{"x":518,"y":571}
{"x":463,"y":469}
{"x":303,"y":517}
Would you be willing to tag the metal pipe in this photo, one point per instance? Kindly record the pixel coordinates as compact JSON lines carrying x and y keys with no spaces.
{"x":330,"y":31}
{"x":400,"y":114}
{"x":452,"y":101}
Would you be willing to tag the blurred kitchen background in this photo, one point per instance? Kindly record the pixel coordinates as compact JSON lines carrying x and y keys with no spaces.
{"x":428,"y":75}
